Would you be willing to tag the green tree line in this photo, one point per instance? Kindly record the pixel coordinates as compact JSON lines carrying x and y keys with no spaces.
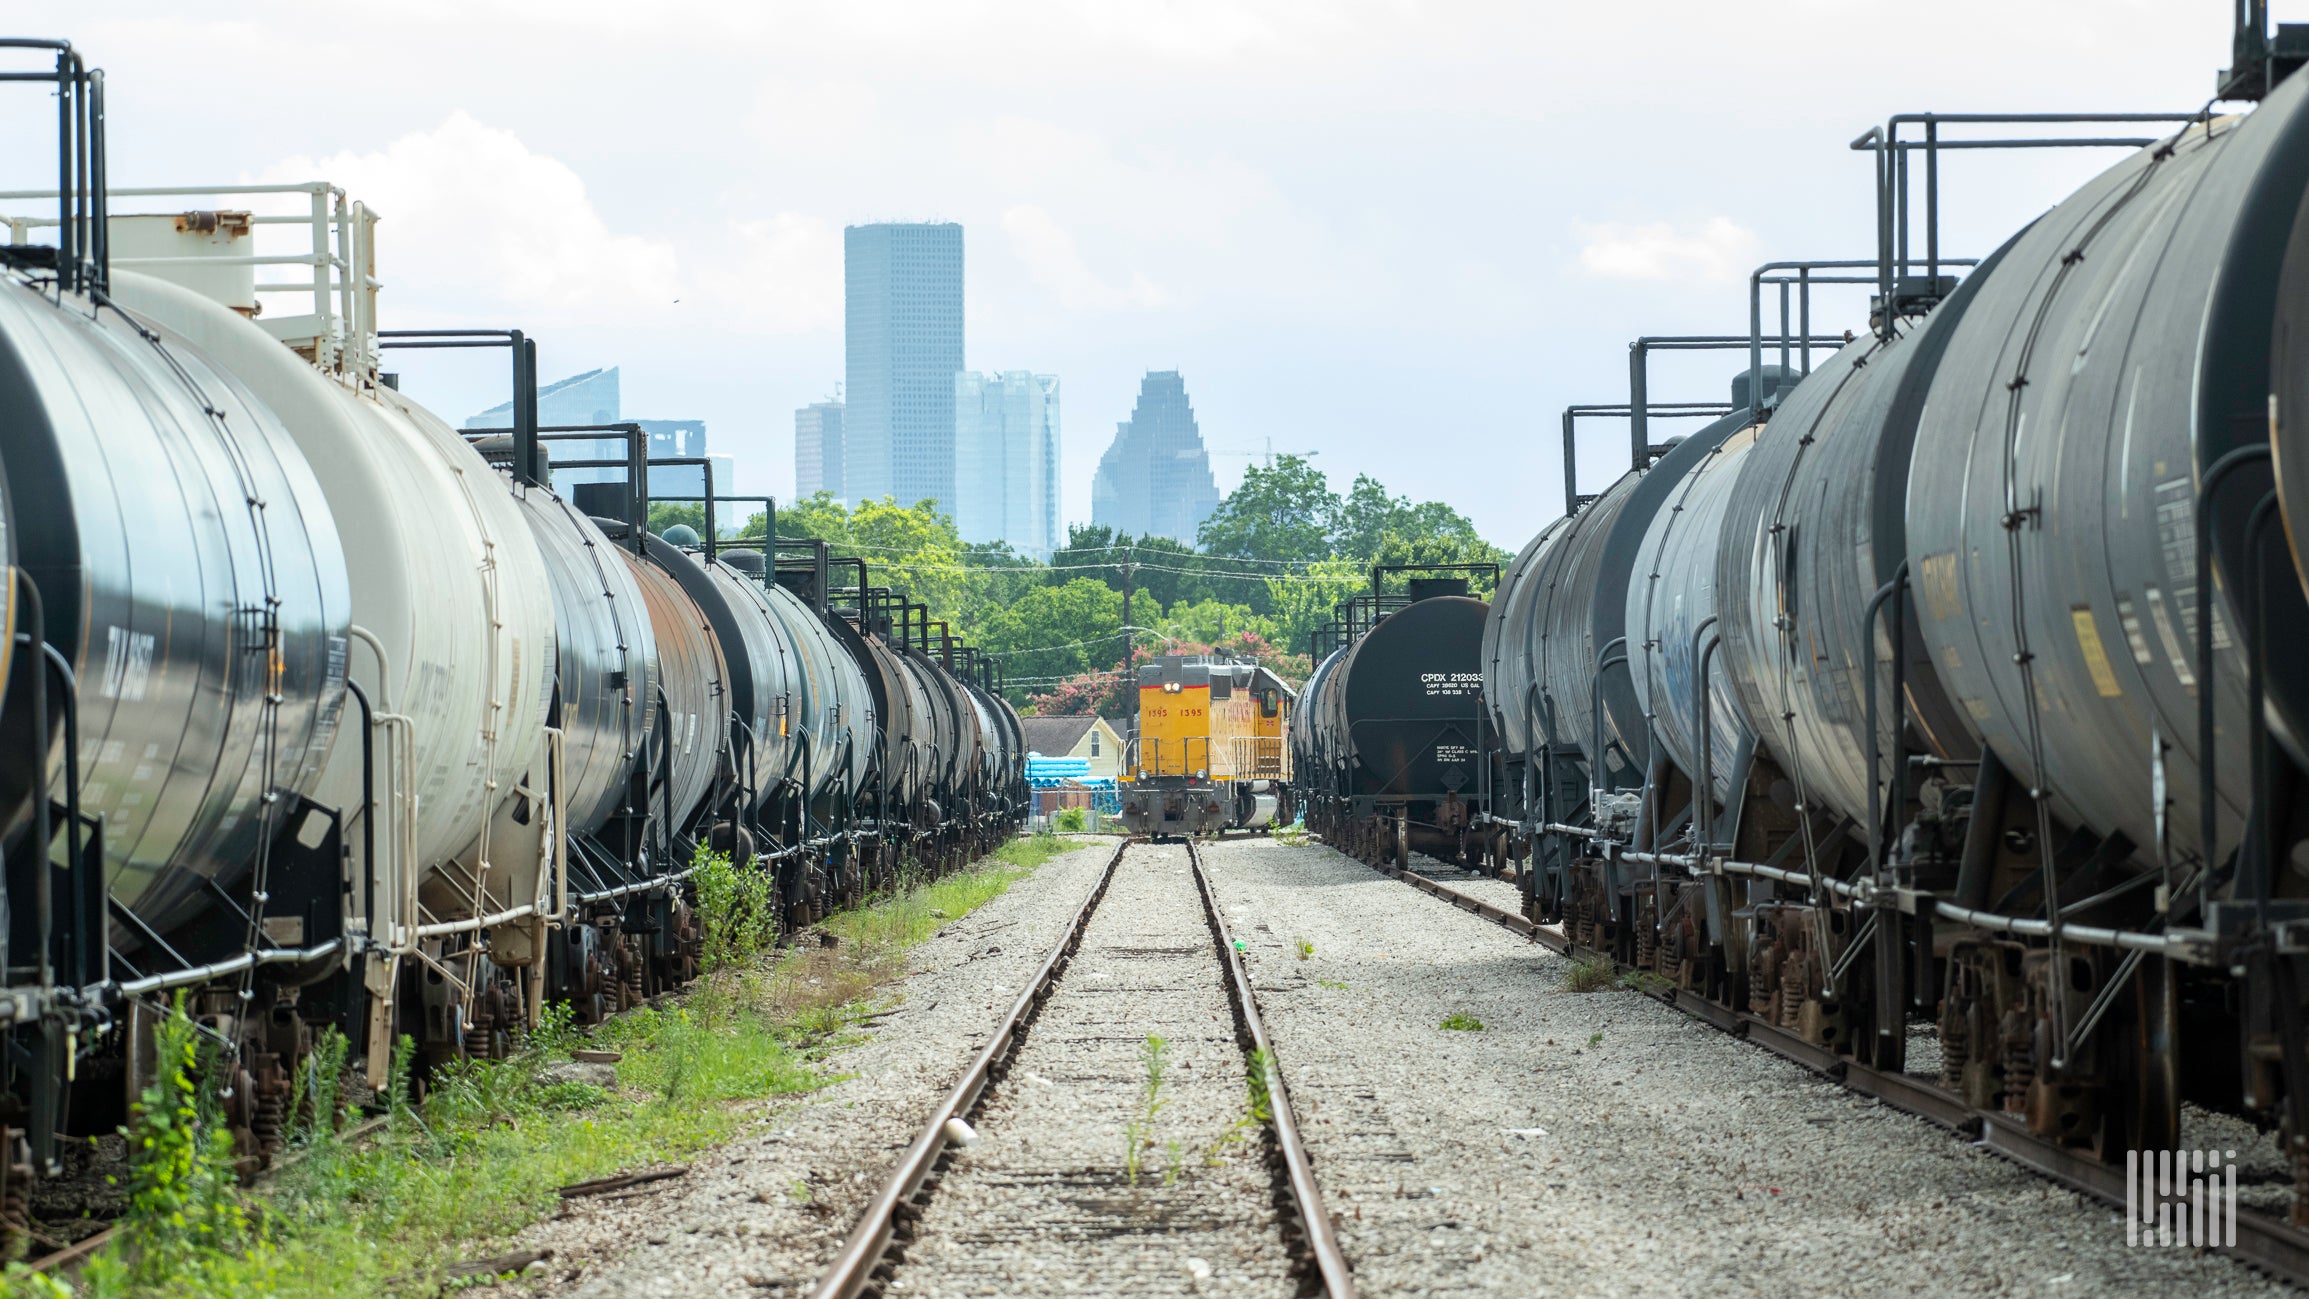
{"x":1269,"y":565}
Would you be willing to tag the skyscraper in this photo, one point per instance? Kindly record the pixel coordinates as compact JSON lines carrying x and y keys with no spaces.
{"x":818,"y":449}
{"x":903,"y":346}
{"x":1155,"y":480}
{"x":1006,"y":459}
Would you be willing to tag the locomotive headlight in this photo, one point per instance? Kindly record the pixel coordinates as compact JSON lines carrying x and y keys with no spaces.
{"x":1201,"y":773}
{"x":1172,"y":687}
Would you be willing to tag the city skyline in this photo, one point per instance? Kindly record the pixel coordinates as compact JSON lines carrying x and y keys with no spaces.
{"x":902,"y":346}
{"x":1006,"y":457}
{"x":1155,"y":478}
{"x":1276,"y":206}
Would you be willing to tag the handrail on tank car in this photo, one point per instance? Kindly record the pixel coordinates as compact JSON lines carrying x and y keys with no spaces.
{"x":1803,"y":280}
{"x":1709,"y":410}
{"x":1892,"y":197}
{"x":1639,"y":374}
{"x":83,"y":253}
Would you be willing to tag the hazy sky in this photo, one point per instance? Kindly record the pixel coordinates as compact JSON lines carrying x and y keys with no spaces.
{"x":1405,"y":234}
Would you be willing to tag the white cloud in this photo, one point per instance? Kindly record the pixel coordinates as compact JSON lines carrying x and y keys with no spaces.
{"x":1720,"y":250}
{"x":788,"y":273}
{"x":473,"y":220}
{"x":1051,"y":257}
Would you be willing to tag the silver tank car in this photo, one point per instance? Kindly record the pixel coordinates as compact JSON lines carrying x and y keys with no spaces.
{"x":188,"y":568}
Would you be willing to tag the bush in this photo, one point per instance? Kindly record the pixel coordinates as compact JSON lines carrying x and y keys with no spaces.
{"x":737,"y":909}
{"x":1591,"y":975}
{"x":1071,"y":820}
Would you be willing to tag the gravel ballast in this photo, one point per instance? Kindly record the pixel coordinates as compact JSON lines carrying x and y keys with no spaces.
{"x":1043,"y":1204}
{"x":765,"y":1215}
{"x":1606,"y":1144}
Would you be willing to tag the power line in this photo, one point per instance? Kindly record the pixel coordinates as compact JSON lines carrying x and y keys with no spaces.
{"x":1025,"y":565}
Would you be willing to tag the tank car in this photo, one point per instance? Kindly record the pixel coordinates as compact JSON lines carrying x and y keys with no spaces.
{"x":1953,"y":697}
{"x":1396,"y":754}
{"x":322,"y":719}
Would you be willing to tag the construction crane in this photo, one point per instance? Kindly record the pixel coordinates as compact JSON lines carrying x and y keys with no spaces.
{"x":1270,"y":453}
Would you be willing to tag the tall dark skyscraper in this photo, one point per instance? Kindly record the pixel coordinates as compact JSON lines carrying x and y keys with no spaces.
{"x":1155,"y":481}
{"x":903,"y":346}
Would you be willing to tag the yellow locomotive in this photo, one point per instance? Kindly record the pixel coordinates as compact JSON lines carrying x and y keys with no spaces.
{"x":1210,"y":749}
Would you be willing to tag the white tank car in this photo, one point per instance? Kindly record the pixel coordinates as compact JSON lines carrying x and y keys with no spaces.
{"x":452,"y":623}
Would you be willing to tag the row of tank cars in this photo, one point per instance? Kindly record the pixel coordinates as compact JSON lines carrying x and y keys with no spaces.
{"x":315,"y":717}
{"x":1945,"y":685}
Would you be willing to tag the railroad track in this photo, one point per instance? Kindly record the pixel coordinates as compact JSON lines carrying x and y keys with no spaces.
{"x":2264,"y":1240}
{"x":1024,"y":1169}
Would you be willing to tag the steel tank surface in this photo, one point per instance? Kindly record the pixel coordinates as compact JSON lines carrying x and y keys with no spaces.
{"x":943,"y":731}
{"x":753,"y":666}
{"x":775,"y":681}
{"x":834,"y":727}
{"x":446,"y":581}
{"x":1510,"y":633}
{"x":904,"y":740}
{"x":686,"y":747}
{"x":1671,"y":600}
{"x":161,"y":508}
{"x":1410,"y":700}
{"x":1566,"y":653}
{"x":1312,"y":745}
{"x":2122,"y":347}
{"x":1814,"y":530}
{"x":605,"y":659}
{"x":1619,"y":568}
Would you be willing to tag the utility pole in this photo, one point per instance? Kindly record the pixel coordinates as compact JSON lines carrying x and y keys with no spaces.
{"x":1130,"y":647}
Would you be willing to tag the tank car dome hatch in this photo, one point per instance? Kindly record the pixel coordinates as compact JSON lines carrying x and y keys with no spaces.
{"x":1427,"y":588}
{"x":680,"y":534}
{"x":748,"y":562}
{"x":1779,"y":380}
{"x":497,"y":450}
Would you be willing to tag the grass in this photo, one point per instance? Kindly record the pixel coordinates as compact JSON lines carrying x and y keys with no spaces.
{"x":1458,"y":1023}
{"x":1138,"y":1134}
{"x":1304,"y":948}
{"x":1594,"y":974}
{"x":1334,"y":985}
{"x":1258,"y":1108}
{"x":1646,"y":982}
{"x":1291,"y":836}
{"x":481,"y":1157}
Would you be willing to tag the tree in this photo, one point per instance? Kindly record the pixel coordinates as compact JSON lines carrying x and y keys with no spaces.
{"x":1365,"y":517}
{"x":1103,"y":694}
{"x":1444,"y":548}
{"x":1305,"y":600}
{"x":663,"y":515}
{"x":1053,"y":632}
{"x":1282,"y":512}
{"x":1167,"y":570}
{"x":1209,"y":622}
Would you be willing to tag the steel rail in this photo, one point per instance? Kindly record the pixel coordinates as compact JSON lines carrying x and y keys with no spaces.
{"x":1322,"y":1243}
{"x":2264,"y":1241}
{"x":863,"y":1253}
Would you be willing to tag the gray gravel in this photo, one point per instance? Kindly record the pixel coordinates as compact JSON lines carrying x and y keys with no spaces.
{"x":1043,"y":1204}
{"x":765,"y":1215}
{"x":1604,"y":1144}
{"x":1480,"y":885}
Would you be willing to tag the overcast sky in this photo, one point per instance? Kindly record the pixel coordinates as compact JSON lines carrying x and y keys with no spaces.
{"x":1405,"y":234}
